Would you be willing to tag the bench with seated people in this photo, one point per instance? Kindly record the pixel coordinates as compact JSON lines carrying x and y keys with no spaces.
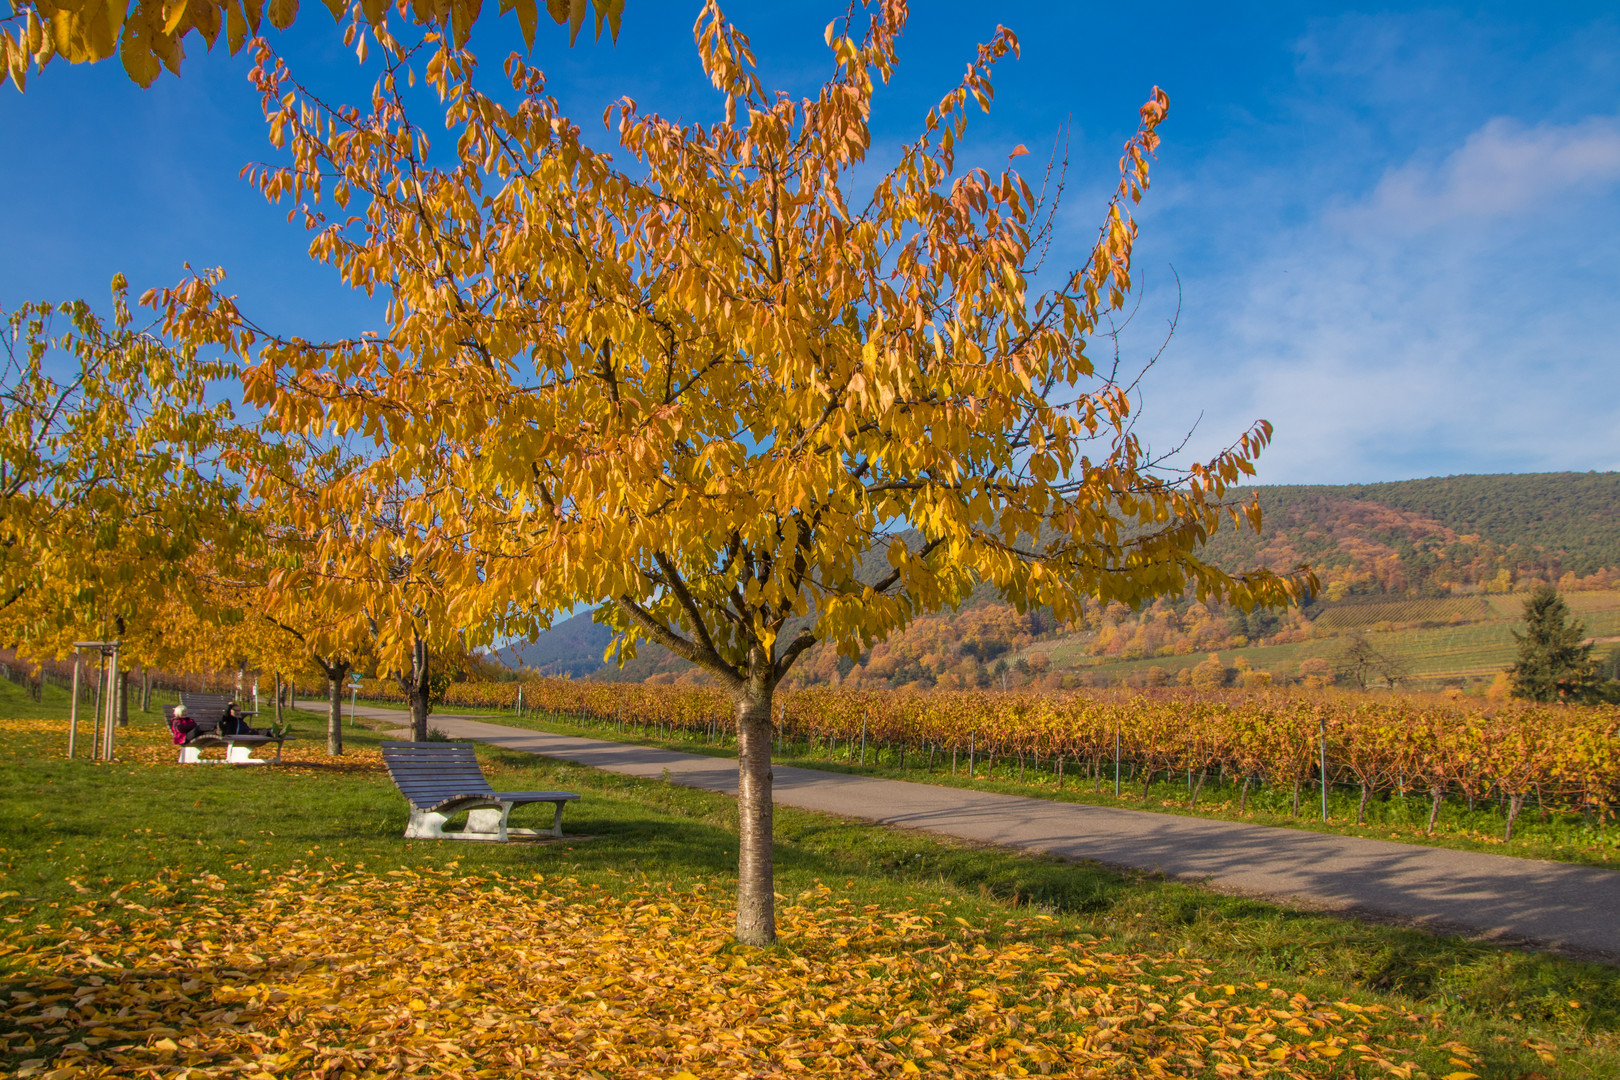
{"x":440,"y":780}
{"x":202,"y":721}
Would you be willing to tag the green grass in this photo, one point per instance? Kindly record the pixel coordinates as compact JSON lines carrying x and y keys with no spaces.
{"x":80,"y":831}
{"x":1563,"y":837}
{"x":1471,"y":650}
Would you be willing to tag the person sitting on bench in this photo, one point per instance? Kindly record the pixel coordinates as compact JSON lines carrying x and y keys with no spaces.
{"x":234,"y":723}
{"x":183,"y":726}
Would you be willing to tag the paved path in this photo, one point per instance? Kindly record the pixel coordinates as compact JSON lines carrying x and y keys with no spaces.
{"x":1495,"y":896}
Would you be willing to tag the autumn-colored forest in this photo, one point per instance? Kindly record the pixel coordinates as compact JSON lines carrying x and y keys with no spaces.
{"x":1406,"y":562}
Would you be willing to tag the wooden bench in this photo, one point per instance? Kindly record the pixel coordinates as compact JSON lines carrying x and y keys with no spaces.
{"x":206,"y":711}
{"x":440,"y":780}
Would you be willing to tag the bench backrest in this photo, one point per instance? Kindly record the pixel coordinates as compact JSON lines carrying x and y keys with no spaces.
{"x":206,"y":709}
{"x":428,"y":773}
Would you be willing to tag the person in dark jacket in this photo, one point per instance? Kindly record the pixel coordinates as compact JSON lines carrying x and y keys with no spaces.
{"x":233,"y":722}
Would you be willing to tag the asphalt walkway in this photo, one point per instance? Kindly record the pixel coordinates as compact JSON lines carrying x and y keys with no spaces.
{"x":1494,"y":896}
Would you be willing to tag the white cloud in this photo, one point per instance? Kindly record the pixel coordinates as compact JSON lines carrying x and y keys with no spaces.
{"x":1457,"y":317}
{"x":1503,"y":169}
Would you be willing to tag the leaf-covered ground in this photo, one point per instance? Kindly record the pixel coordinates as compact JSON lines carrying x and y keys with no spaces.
{"x":209,"y":921}
{"x":442,"y":974}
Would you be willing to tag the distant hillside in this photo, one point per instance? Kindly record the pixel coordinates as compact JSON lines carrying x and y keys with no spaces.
{"x":1436,"y":536}
{"x":573,"y":647}
{"x":1459,"y":536}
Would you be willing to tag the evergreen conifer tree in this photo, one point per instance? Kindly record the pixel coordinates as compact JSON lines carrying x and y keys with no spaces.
{"x":1553,"y":662}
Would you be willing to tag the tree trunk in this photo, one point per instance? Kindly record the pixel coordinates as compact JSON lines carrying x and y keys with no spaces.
{"x":1361,"y":808}
{"x":1198,"y":787}
{"x":123,"y":699}
{"x":334,"y":708}
{"x":1515,"y":804}
{"x":278,"y":699}
{"x":1437,"y":794}
{"x":416,"y":689}
{"x":756,"y":886}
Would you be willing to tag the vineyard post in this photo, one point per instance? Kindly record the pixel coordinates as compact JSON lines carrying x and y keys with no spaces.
{"x":520,"y":699}
{"x":73,"y":710}
{"x":1322,"y":722}
{"x":972,"y":742}
{"x":863,"y":739}
{"x":1116,"y":761}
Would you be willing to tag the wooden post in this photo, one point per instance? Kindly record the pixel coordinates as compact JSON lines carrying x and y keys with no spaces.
{"x":101,"y":678}
{"x":1116,"y":761}
{"x":73,"y":709}
{"x":113,"y":699}
{"x":1323,"y":722}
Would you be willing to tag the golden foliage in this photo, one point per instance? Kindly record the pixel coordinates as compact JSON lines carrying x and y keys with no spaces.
{"x":705,"y":386}
{"x":150,"y":35}
{"x":433,"y":973}
{"x":107,"y":435}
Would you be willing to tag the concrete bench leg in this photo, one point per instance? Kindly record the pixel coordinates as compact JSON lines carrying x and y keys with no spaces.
{"x":489,"y":823}
{"x":556,"y":822}
{"x":426,"y":825}
{"x":190,"y":755}
{"x":240,"y":755}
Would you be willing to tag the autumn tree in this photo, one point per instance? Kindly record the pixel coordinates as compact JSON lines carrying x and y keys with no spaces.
{"x":1554,"y":664}
{"x":723,"y":385}
{"x":110,"y":485}
{"x":149,"y":36}
{"x":1360,"y":662}
{"x":358,"y":566}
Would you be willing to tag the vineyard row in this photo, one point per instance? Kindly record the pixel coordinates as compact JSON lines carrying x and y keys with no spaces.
{"x":1563,"y":756}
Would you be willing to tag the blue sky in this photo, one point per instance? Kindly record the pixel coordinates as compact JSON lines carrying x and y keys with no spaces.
{"x":1395,"y":230}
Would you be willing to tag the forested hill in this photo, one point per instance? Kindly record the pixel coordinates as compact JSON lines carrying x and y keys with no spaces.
{"x":1415,"y":537}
